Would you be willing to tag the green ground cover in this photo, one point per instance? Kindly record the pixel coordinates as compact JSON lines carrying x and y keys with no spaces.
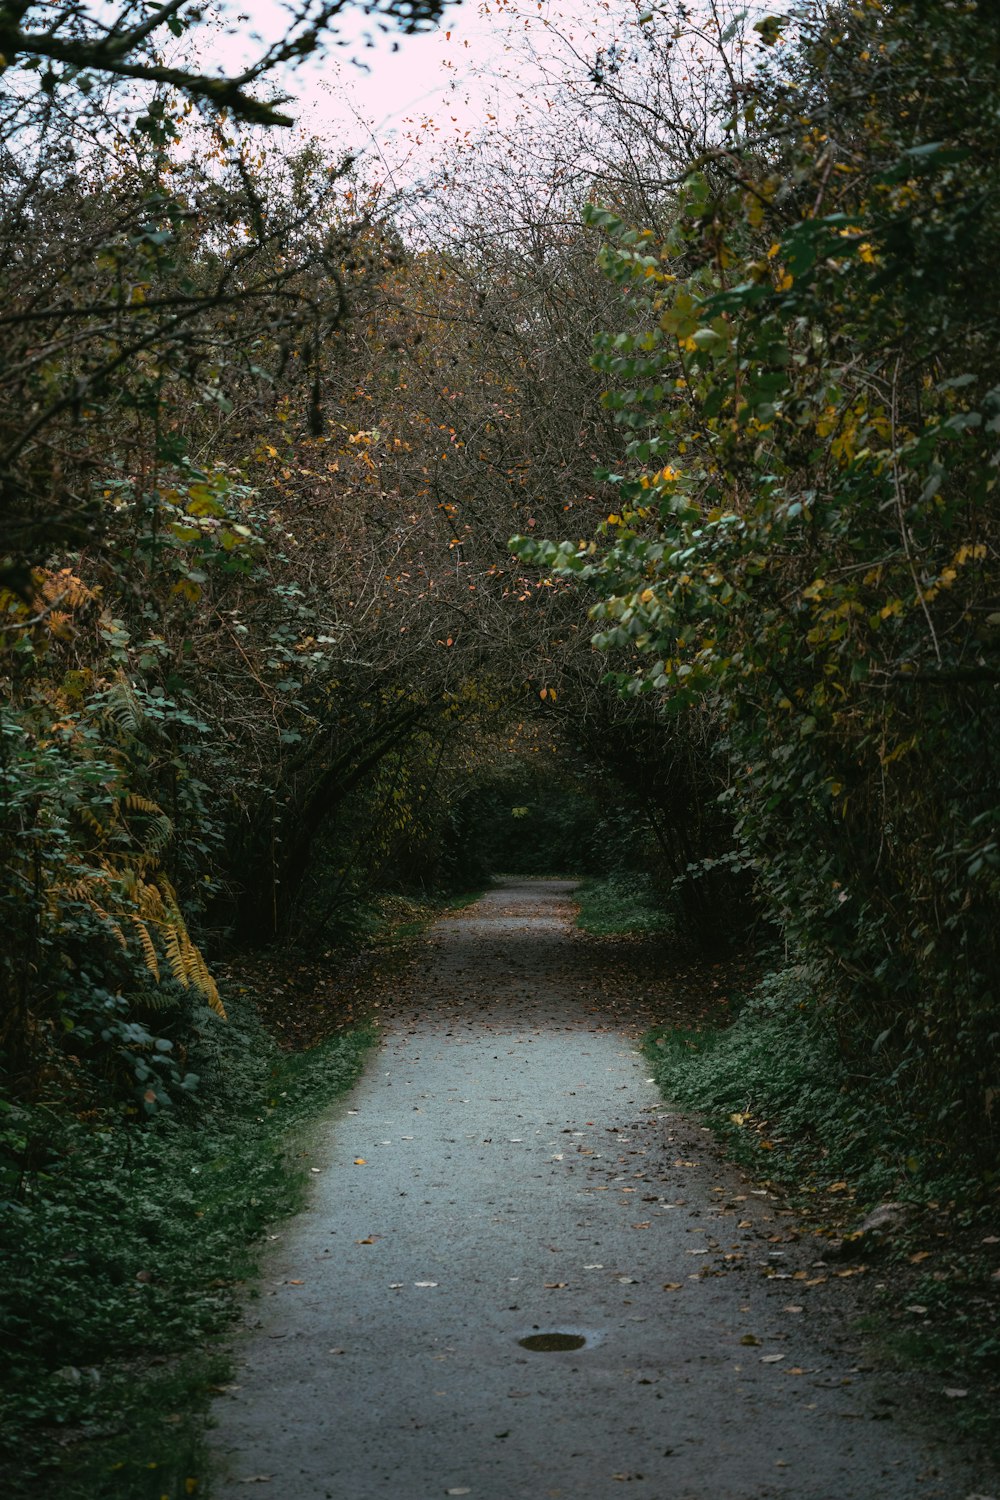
{"x":622,"y":903}
{"x":776,"y":1088}
{"x":129,"y":1247}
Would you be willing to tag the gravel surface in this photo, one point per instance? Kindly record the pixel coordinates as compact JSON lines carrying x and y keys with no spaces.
{"x":506,"y":1168}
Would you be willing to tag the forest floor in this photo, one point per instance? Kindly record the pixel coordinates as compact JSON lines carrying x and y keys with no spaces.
{"x":505,"y":1168}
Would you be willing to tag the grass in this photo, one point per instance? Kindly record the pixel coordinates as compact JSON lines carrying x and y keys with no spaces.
{"x":622,"y":904}
{"x":131,"y":1251}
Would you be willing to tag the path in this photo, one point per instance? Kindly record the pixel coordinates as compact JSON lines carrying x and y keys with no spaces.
{"x":506,"y":1167}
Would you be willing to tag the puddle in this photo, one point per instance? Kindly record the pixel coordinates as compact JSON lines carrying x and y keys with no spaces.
{"x":551,"y":1343}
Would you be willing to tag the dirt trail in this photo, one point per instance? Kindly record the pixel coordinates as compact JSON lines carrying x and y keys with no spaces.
{"x":505,"y":1167}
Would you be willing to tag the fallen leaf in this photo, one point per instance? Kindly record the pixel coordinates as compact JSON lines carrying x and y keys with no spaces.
{"x":555,"y":1286}
{"x":425,"y":1283}
{"x":920,"y":1255}
{"x":770,"y":1359}
{"x":645,"y":1225}
{"x":749,"y":1339}
{"x":953,"y":1392}
{"x":295,"y":1283}
{"x":371,"y":1240}
{"x":460,"y":1489}
{"x":672,"y":1286}
{"x":359,"y":1161}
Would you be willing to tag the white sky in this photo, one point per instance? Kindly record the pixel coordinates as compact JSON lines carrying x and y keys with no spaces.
{"x":414,"y":91}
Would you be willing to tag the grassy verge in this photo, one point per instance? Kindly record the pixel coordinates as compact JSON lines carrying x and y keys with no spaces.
{"x":775,"y":1088}
{"x":401,"y":918}
{"x":623,"y":904}
{"x":129,"y":1250}
{"x":362,"y":924}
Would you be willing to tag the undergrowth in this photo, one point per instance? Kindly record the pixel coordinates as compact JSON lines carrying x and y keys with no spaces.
{"x":775,"y":1087}
{"x":623,"y":903}
{"x":130,"y":1247}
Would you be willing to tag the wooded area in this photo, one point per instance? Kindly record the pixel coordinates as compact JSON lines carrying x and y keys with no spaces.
{"x":268,"y":652}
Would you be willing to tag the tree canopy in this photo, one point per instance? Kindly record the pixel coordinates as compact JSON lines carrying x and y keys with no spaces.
{"x":266,"y":430}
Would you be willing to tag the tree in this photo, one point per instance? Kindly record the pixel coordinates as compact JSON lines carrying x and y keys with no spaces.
{"x":806,"y":540}
{"x":70,"y":60}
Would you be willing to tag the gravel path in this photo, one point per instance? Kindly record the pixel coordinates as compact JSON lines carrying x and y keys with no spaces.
{"x":506,"y":1168}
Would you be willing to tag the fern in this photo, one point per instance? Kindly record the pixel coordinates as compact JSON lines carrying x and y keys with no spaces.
{"x":186,"y":960}
{"x":126,"y":884}
{"x":175,"y":957}
{"x":157,"y":833}
{"x":148,"y":949}
{"x":135,"y":802}
{"x":150,"y":903}
{"x":122,"y":707}
{"x":112,"y":924}
{"x":91,"y":821}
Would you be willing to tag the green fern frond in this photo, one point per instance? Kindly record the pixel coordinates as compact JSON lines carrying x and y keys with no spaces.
{"x":123,"y":708}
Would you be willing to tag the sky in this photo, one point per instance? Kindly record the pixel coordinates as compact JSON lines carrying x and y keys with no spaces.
{"x":486,"y":59}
